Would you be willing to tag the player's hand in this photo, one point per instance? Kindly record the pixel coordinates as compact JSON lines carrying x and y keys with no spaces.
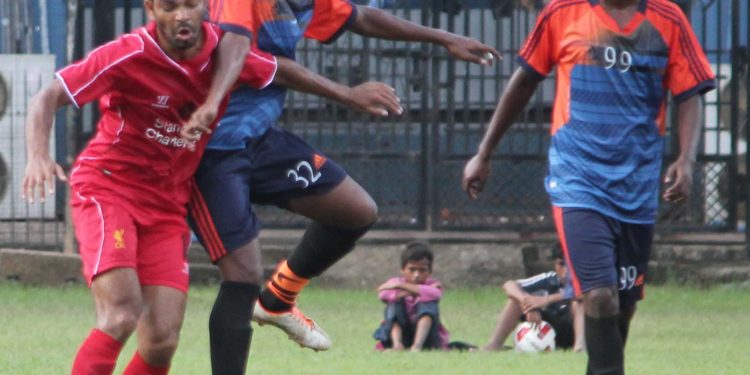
{"x":374,"y":98}
{"x":534,"y":317}
{"x":198,"y":124}
{"x":678,"y":181}
{"x":471,"y":50}
{"x":532,"y":302}
{"x":40,"y":176}
{"x":476,"y":173}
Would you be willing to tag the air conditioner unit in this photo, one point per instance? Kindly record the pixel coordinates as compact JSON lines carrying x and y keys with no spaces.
{"x":21,"y":76}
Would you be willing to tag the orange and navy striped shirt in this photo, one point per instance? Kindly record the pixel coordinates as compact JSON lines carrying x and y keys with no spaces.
{"x":610,"y":100}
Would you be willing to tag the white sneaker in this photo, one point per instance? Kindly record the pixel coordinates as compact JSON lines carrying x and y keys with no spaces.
{"x":301,"y":329}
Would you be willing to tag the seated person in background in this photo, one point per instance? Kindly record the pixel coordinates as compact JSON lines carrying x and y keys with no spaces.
{"x":412,"y":318}
{"x":546,"y":296}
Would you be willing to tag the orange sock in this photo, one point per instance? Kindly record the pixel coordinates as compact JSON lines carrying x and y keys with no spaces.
{"x":285,"y":284}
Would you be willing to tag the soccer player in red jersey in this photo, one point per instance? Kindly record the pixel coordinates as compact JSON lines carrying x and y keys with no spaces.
{"x":616,"y":62}
{"x":131,"y":185}
{"x":249,"y":147}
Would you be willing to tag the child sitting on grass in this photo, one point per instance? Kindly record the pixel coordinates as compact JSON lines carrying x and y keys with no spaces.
{"x":412,"y":317}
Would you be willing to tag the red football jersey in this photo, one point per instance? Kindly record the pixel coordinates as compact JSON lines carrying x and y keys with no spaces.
{"x":137,"y":154}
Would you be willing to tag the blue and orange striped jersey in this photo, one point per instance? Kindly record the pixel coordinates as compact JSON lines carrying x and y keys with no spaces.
{"x":276,"y":27}
{"x":609,"y":110}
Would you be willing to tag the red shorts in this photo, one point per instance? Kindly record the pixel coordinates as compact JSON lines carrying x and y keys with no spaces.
{"x":109,"y":236}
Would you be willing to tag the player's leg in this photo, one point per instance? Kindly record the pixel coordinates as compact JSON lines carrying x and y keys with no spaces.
{"x":341,"y":216}
{"x":117,"y":298}
{"x":108,"y":247}
{"x":589,"y":243}
{"x":163,"y":272}
{"x":634,"y":251}
{"x":506,"y":322}
{"x":223,"y":219}
{"x":158,"y":330}
{"x":291,"y":174}
{"x":326,"y":241}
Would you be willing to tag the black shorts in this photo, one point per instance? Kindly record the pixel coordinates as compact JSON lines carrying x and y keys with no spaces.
{"x":603,"y":252}
{"x":272,"y":169}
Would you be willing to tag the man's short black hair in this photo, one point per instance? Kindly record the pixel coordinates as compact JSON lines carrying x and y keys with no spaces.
{"x":416,"y":251}
{"x":557,"y":252}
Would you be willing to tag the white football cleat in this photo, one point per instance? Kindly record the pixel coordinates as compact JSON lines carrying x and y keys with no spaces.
{"x":301,"y":329}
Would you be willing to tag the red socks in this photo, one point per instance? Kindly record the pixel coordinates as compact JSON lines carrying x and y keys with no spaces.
{"x":138,"y":366}
{"x":97,"y":355}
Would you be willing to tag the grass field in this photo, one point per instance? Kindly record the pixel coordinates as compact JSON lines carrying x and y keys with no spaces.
{"x":676,"y":331}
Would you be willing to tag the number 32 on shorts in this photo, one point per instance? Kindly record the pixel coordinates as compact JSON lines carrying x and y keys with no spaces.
{"x":303,"y":172}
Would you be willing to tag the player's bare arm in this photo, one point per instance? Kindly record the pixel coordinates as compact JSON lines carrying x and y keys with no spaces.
{"x":40,"y":168}
{"x":377,"y":23}
{"x":371,"y":97}
{"x":679,"y":175}
{"x":520,"y":88}
{"x":231,"y":58}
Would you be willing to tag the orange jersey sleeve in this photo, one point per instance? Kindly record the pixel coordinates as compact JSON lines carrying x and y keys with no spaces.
{"x":330,"y":19}
{"x":539,"y":53}
{"x":688,"y":72}
{"x":233,"y":15}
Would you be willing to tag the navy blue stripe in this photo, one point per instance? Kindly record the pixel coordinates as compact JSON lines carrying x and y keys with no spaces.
{"x":530,"y":69}
{"x":236,"y":29}
{"x":700,"y":88}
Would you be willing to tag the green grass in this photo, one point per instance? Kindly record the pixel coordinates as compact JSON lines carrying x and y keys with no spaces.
{"x":676,"y":331}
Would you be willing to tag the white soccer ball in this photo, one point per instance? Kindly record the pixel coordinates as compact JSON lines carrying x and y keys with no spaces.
{"x":529,"y":338}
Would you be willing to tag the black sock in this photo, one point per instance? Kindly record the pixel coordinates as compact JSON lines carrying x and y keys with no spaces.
{"x":604,"y":346}
{"x":320,"y":248}
{"x":623,"y":324}
{"x":229,"y":327}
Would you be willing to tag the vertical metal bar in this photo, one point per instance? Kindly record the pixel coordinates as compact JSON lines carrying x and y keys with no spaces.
{"x":734,"y":103}
{"x":747,"y":118}
{"x":104,"y":21}
{"x":127,"y":14}
{"x":427,"y":118}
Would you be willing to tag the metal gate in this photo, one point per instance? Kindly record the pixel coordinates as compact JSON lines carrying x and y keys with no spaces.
{"x":412,"y":164}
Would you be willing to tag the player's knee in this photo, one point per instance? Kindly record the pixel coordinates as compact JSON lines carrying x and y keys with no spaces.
{"x":367,"y":214}
{"x":242,"y":272}
{"x":119,"y":320}
{"x":601,"y":302}
{"x":242,"y":265}
{"x":159,"y":345}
